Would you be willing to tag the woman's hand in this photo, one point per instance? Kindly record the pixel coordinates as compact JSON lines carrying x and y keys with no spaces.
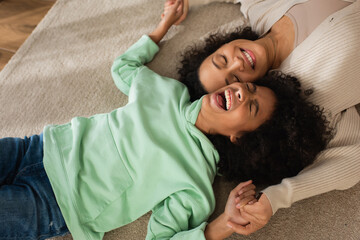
{"x":258,"y":215}
{"x":185,"y":10}
{"x":240,"y":196}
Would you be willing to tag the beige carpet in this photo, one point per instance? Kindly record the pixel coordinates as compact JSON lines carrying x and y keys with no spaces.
{"x":63,"y":70}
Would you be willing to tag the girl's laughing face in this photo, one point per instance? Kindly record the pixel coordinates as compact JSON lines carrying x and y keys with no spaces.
{"x":236,"y":109}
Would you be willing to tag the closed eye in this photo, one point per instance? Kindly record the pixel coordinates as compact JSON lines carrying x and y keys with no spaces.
{"x":253,"y":103}
{"x":219,"y":61}
{"x":254,"y":106}
{"x":225,"y":59}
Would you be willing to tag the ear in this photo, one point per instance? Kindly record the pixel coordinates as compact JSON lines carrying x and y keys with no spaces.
{"x":234,"y":138}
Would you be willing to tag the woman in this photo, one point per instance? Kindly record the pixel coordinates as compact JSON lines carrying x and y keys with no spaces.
{"x":323,"y":54}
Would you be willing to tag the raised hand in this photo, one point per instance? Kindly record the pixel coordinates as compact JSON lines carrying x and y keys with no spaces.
{"x":185,"y":10}
{"x":173,"y":11}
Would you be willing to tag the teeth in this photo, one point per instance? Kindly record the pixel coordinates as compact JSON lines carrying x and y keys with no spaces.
{"x":228,"y":100}
{"x":249,"y":58}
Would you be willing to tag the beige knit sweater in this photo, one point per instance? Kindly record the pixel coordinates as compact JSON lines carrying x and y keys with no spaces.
{"x":328,"y":62}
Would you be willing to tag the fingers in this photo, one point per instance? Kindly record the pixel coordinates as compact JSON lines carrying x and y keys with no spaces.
{"x":173,"y":7}
{"x":238,"y":188}
{"x":254,"y":225}
{"x":254,"y":209}
{"x":185,"y":10}
{"x":240,"y":229}
{"x":257,"y":213}
{"x":169,"y":3}
{"x":261,"y":208}
{"x":252,"y":201}
{"x":247,"y":189}
{"x":176,"y":5}
{"x":249,"y":217}
{"x":180,"y":11}
{"x":243,"y":193}
{"x":179,"y":7}
{"x":245,"y":201}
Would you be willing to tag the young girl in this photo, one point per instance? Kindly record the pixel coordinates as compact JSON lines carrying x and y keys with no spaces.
{"x":96,"y":174}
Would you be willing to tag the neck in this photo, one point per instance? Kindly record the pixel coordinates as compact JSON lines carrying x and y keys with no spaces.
{"x":280,"y":41}
{"x":270,"y":45}
{"x":202,"y":124}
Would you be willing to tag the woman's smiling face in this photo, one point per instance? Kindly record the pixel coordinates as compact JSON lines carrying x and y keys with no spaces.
{"x":237,"y":61}
{"x":235,"y":109}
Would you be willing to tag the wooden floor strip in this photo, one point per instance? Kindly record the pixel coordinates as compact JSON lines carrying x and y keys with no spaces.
{"x":18,"y":18}
{"x":5,"y":56}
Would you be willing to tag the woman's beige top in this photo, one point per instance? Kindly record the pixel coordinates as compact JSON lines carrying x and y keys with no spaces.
{"x":308,"y":15}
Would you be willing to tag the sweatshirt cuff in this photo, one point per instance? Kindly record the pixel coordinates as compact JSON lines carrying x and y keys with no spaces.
{"x":280,"y":195}
{"x":195,"y":233}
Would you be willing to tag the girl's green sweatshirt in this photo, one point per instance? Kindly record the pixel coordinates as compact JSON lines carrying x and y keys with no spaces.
{"x":110,"y":169}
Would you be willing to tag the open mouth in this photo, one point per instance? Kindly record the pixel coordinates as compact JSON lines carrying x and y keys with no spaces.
{"x":250,"y":57}
{"x":224,"y":100}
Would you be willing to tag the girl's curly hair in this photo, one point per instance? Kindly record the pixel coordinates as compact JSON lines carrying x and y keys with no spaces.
{"x":284,"y":144}
{"x":195,"y":55}
{"x":279,"y":148}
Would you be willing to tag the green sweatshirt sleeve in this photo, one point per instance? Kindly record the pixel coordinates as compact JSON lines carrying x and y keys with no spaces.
{"x":182,"y":215}
{"x":126,"y":67}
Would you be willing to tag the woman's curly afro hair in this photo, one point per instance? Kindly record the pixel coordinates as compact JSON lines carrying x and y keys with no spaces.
{"x":281,"y":147}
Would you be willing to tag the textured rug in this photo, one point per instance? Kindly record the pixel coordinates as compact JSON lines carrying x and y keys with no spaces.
{"x":63,"y":71}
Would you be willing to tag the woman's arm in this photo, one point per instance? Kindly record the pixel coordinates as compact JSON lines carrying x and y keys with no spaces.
{"x":336,"y":168}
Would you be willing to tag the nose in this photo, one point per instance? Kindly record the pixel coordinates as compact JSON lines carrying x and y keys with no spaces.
{"x":238,"y":64}
{"x":242,"y":93}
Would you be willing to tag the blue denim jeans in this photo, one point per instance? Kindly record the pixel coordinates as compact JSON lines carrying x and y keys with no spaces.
{"x":28,"y":209}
